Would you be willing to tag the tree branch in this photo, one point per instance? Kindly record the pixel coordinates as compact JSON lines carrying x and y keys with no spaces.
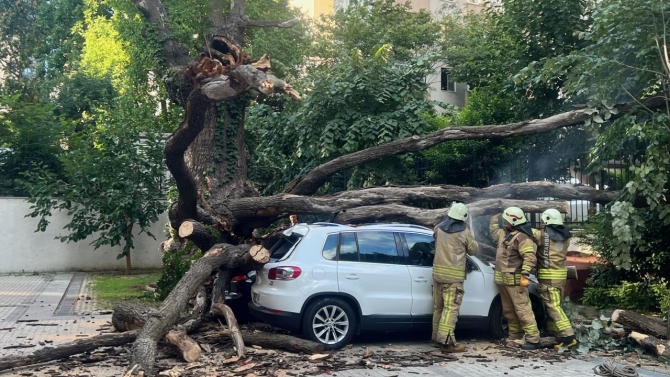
{"x":174,"y":53}
{"x":430,"y":218}
{"x":317,"y":176}
{"x":280,"y":24}
{"x":244,"y":214}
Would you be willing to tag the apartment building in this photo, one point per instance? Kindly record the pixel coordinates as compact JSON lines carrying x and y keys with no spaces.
{"x":442,"y":87}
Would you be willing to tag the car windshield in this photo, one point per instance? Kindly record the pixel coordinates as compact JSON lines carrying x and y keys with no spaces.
{"x":282,"y":247}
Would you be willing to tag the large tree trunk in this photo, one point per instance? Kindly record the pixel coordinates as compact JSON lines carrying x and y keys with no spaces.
{"x":245,"y":214}
{"x":230,"y":257}
{"x":641,"y":323}
{"x":68,"y":349}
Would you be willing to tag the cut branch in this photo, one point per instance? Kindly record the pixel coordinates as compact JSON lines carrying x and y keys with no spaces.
{"x":183,"y":344}
{"x":317,"y":176}
{"x":198,"y":233}
{"x":279,"y":24}
{"x":642,"y":323}
{"x":652,"y":344}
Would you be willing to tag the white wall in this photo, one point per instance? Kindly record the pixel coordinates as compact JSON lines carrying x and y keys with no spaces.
{"x":23,"y":250}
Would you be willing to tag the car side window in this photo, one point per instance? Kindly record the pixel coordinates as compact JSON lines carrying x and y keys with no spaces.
{"x":421,"y":249}
{"x":330,"y":248}
{"x":348,"y":248}
{"x":377,"y":247}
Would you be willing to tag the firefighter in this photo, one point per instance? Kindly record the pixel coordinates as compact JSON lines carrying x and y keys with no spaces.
{"x":552,"y":249}
{"x":515,"y":259}
{"x":453,"y":240}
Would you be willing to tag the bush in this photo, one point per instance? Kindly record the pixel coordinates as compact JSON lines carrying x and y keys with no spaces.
{"x":640,"y":297}
{"x":175,"y":265}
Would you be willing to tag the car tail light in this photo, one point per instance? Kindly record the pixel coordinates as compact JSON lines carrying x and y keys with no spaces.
{"x":238,"y":278}
{"x":284,"y":273}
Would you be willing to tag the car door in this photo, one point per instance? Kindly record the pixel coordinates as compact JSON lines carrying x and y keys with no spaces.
{"x":421,"y":252}
{"x":370,"y":269}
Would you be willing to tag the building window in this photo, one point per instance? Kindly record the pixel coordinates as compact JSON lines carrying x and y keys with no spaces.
{"x":446,"y":82}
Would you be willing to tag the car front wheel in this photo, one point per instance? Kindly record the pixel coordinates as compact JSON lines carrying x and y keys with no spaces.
{"x":330,"y":321}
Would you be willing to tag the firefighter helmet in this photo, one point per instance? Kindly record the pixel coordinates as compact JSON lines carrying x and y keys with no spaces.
{"x":458,"y":211}
{"x":514,"y":216}
{"x":552,"y":217}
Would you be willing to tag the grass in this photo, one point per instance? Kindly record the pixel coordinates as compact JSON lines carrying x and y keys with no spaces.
{"x":112,"y":288}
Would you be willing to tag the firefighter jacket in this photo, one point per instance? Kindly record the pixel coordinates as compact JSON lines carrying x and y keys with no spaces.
{"x":452,"y":241}
{"x":552,"y":250}
{"x":515,"y":254}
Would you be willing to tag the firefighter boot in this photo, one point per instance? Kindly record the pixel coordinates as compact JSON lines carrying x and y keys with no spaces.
{"x":453,"y":348}
{"x":568,"y":341}
{"x":530,"y":346}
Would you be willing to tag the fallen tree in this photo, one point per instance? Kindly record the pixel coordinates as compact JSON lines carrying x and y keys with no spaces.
{"x":219,"y":209}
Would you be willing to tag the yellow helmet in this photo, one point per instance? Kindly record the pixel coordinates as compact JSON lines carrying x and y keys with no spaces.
{"x":514,"y":215}
{"x":458,"y":211}
{"x":552,"y":217}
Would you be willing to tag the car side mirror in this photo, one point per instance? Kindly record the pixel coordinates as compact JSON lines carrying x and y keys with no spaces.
{"x":469,"y":266}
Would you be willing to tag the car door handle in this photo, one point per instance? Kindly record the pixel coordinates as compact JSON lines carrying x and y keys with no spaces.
{"x":352,"y":277}
{"x":421,"y":280}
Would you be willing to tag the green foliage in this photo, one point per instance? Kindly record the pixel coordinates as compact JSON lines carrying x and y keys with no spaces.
{"x":111,"y":178}
{"x":367,"y":25}
{"x":175,"y":265}
{"x":646,"y":260}
{"x":355,"y":103}
{"x":641,"y":297}
{"x":29,"y":133}
{"x":287,"y":48}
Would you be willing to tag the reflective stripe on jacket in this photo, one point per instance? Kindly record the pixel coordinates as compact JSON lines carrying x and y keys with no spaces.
{"x":450,"y":250}
{"x":516,"y":253}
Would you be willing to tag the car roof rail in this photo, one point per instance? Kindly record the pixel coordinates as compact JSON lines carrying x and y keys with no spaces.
{"x":398,"y":225}
{"x":322,"y":223}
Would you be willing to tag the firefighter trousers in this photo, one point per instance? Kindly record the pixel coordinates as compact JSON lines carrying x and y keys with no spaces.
{"x":558,"y":322}
{"x":518,"y":312}
{"x":447,"y":298}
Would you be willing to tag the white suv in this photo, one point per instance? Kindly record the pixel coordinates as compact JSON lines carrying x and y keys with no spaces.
{"x":331,"y":281}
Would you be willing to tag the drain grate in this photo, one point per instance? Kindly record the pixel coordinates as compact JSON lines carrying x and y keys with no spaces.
{"x":67,"y":303}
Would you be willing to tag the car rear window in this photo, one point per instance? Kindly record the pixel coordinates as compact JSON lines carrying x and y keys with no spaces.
{"x":282,"y":247}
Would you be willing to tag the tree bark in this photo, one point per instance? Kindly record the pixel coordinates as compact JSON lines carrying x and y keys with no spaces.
{"x":224,"y":310}
{"x":317,"y":176}
{"x":431,"y":217}
{"x":641,"y":323}
{"x":282,"y":342}
{"x":221,"y":286}
{"x":128,"y":316}
{"x":651,"y":344}
{"x":230,"y":257}
{"x":183,"y":344}
{"x":68,"y":349}
{"x":245,"y":214}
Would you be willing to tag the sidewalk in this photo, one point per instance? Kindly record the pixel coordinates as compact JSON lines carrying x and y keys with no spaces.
{"x":44,"y":310}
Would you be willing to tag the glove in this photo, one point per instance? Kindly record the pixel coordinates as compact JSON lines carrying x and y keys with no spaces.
{"x":525,"y":281}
